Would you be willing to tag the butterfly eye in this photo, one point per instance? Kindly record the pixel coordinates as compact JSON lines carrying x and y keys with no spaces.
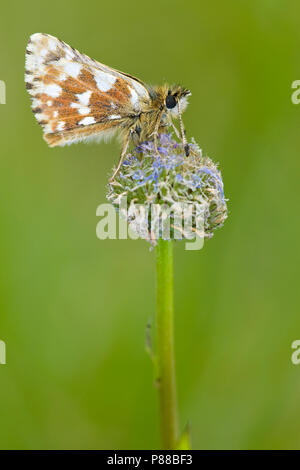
{"x":170,"y":102}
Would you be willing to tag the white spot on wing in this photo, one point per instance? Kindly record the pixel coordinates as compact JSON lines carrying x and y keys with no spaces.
{"x":81,"y":109}
{"x":84,"y":110}
{"x":114,"y":116}
{"x":52,"y":90}
{"x":60,"y":126}
{"x":29,"y":78}
{"x":84,"y":98}
{"x":104,"y":80}
{"x":140,"y":89}
{"x":52,"y":44}
{"x":72,"y":68}
{"x":87,"y":120}
{"x":134,"y":98}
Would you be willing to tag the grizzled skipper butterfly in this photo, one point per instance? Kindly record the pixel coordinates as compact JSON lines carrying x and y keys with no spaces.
{"x":75,"y":98}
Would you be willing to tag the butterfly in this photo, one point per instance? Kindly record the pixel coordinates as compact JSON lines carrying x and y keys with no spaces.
{"x":75,"y":98}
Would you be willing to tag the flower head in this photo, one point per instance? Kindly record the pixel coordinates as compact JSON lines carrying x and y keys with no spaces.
{"x":169,"y":195}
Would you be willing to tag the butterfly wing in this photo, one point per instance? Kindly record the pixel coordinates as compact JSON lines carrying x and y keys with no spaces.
{"x":74,"y":97}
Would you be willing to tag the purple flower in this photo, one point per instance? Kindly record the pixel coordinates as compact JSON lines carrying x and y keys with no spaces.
{"x":167,"y":176}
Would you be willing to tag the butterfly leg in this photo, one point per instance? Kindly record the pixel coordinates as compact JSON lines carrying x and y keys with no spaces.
{"x":155,"y":133}
{"x":175,"y":129}
{"x":123,"y":153}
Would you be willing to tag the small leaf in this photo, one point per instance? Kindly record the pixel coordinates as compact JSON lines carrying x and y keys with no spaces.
{"x":184,"y":442}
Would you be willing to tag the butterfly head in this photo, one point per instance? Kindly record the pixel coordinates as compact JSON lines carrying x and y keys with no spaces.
{"x":176,"y":99}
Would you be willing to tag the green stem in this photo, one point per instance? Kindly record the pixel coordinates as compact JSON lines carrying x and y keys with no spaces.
{"x":165,"y":346}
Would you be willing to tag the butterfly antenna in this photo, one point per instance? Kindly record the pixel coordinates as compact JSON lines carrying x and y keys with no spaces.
{"x":182,"y":130}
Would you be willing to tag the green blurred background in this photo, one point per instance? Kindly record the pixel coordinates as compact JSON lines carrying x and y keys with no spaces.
{"x":74,"y":308}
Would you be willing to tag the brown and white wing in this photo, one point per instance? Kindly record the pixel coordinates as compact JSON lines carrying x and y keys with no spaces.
{"x":74,"y":97}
